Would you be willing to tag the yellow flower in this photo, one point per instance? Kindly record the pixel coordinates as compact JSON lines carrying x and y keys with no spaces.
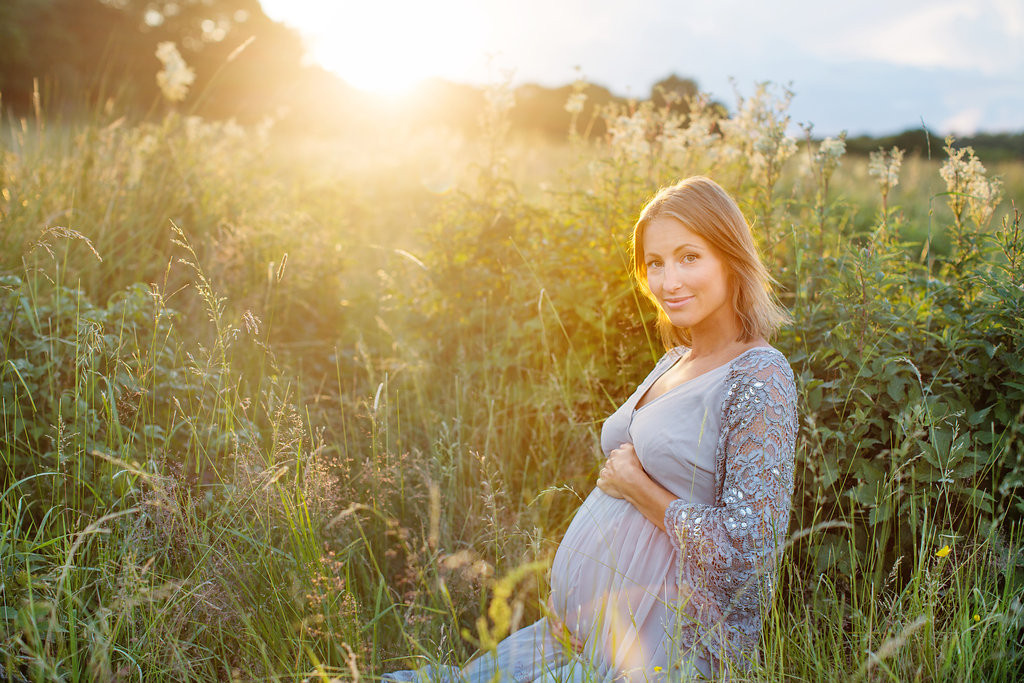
{"x":657,"y":669}
{"x":977,"y":617}
{"x":943,"y":552}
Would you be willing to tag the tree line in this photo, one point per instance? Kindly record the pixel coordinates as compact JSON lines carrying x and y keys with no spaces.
{"x":77,"y":56}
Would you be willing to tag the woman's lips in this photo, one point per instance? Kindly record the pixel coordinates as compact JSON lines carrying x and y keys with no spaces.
{"x":677,"y":302}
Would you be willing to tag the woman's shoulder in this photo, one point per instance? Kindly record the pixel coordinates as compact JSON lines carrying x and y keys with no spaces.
{"x":752,"y":360}
{"x":762,"y":370}
{"x":761,"y":358}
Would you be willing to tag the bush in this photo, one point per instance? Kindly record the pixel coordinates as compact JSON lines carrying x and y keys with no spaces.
{"x":348,"y":399}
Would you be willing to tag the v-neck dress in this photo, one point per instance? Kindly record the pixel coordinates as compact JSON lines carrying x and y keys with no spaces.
{"x":613,"y":580}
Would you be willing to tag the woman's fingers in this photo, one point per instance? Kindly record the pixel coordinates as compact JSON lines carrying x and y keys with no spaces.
{"x":559,"y":630}
{"x":616,"y":470}
{"x":621,"y":471}
{"x":625,"y":451}
{"x":608,"y":485}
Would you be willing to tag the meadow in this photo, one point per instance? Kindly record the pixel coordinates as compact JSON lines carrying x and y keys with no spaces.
{"x":283,"y":408}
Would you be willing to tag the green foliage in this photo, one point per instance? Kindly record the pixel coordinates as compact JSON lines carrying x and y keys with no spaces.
{"x":992,"y":146}
{"x":361,"y":383}
{"x":904,"y":379}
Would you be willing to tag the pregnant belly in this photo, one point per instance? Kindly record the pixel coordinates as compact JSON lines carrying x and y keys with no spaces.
{"x":613,"y":576}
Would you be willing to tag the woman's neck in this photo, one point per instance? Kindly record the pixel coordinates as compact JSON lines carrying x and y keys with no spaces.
{"x":717,"y":340}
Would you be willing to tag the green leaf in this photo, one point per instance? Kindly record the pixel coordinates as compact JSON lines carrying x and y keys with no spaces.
{"x":880,"y":513}
{"x":895,"y":388}
{"x":967,"y":469}
{"x":829,"y":472}
{"x":868,"y":471}
{"x":865,"y":494}
{"x":977,"y":417}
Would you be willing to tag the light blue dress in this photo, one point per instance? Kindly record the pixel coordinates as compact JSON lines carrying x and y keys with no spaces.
{"x":615,"y":579}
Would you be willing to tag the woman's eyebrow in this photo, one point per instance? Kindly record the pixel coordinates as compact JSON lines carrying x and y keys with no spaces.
{"x":681,"y":247}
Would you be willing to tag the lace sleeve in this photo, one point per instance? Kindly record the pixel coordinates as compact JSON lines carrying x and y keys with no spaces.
{"x":727,"y":552}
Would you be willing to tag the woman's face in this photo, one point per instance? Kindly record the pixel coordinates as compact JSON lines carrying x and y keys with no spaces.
{"x":687,"y":276}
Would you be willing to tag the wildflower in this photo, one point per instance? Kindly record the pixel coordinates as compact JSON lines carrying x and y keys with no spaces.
{"x":832,"y":148}
{"x":657,"y":669}
{"x":574,"y":105}
{"x":984,"y":196}
{"x":500,"y":97}
{"x":967,"y":185}
{"x":176,"y":76}
{"x":942,"y":552}
{"x":694,"y":132}
{"x":758,"y":131}
{"x":771,"y":149}
{"x":886,"y":167}
{"x":977,"y":617}
{"x":826,"y":160}
{"x":629,"y":134}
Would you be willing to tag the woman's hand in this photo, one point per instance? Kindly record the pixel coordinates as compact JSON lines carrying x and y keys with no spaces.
{"x":560,"y":631}
{"x":624,"y":477}
{"x":622,"y":473}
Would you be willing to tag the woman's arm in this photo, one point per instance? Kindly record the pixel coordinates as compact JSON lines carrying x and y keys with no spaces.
{"x":624,"y":477}
{"x":731,"y":549}
{"x":739,"y":535}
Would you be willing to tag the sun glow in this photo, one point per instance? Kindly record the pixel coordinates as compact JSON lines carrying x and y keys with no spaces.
{"x":388,"y":47}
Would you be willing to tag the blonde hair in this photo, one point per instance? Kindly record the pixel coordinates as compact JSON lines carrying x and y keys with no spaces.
{"x":703,"y":207}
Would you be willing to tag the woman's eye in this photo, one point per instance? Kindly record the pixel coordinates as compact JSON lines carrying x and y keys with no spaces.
{"x":654,"y":264}
{"x":689,"y":258}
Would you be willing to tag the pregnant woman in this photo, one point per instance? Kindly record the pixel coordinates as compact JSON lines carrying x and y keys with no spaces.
{"x":665,"y":569}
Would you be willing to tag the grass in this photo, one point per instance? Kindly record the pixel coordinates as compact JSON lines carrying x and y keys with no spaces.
{"x":317,"y":399}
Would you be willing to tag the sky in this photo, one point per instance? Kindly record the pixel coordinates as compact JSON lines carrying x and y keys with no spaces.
{"x":866,"y":66}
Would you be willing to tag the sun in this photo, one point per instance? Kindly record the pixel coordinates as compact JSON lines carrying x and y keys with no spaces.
{"x":388,"y":47}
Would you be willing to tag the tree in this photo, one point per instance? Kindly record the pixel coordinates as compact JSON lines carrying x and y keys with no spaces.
{"x":675,"y":92}
{"x":86,"y":51}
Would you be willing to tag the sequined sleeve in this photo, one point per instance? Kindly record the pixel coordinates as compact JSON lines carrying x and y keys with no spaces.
{"x":728,"y":552}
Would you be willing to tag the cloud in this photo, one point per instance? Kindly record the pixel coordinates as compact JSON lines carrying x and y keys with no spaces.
{"x":964,"y":122}
{"x":952,"y":34}
{"x":1011,"y":16}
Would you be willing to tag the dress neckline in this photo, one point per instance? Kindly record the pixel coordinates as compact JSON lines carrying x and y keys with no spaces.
{"x":681,"y":351}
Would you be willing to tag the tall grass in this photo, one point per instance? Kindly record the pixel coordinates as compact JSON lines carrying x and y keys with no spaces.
{"x":277,"y":408}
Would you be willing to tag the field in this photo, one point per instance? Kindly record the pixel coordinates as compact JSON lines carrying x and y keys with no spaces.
{"x":285,"y":408}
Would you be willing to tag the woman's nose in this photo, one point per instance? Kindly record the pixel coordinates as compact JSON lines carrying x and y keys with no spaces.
{"x":673,"y":278}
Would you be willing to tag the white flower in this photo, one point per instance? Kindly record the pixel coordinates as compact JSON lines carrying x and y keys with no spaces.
{"x":886,"y":167}
{"x":629,"y":135}
{"x":984,"y":196}
{"x":176,"y":76}
{"x":698,"y":133}
{"x":758,"y":130}
{"x":832,"y":149}
{"x":574,"y":105}
{"x":771,"y":149}
{"x":500,"y":97}
{"x":826,"y":159}
{"x":967,"y":185}
{"x":955,"y":170}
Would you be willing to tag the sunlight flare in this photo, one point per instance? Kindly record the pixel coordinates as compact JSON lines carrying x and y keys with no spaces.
{"x":388,"y":48}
